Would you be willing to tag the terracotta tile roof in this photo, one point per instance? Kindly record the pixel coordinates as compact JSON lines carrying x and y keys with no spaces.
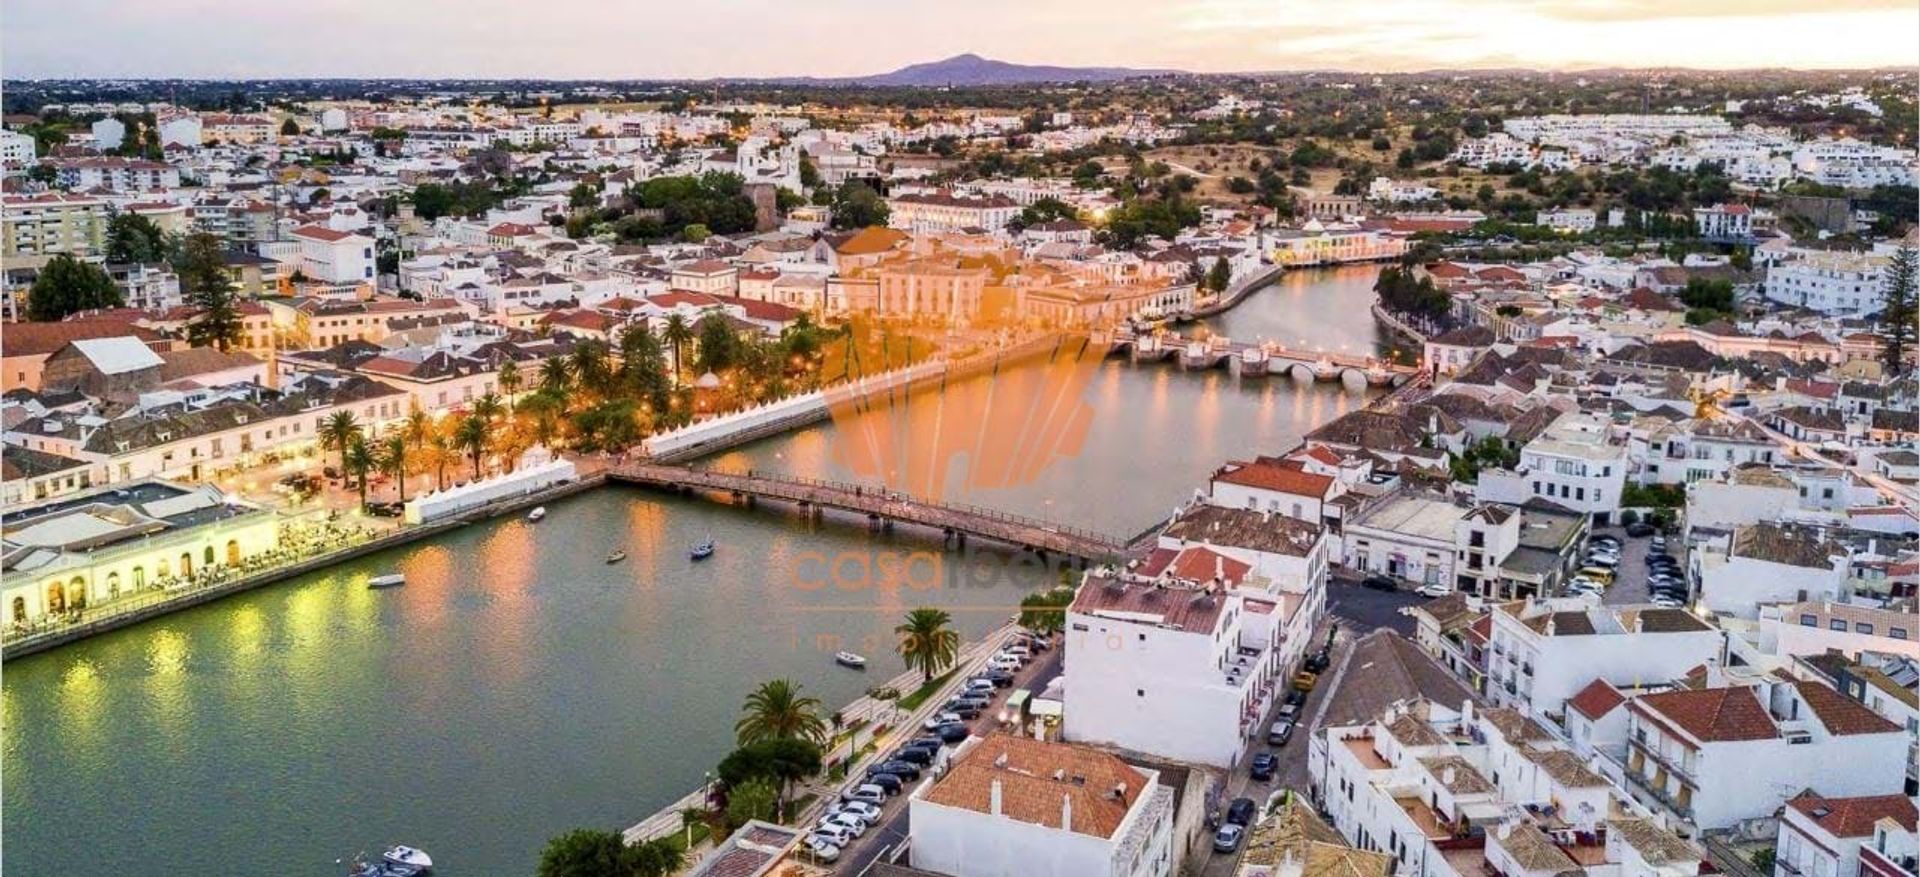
{"x":1276,"y":477}
{"x":1037,"y":779}
{"x":1843,"y":716}
{"x":869,"y":241}
{"x":42,"y":339}
{"x":1204,"y":564}
{"x":1712,"y":715}
{"x":1596,"y":700}
{"x":510,"y":230}
{"x":1854,"y":817}
{"x":321,"y":233}
{"x":1188,"y":609}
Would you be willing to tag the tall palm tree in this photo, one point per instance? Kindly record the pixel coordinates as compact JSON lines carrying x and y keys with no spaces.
{"x":359,"y":459}
{"x":509,"y":381}
{"x":338,"y":431}
{"x":928,"y":641}
{"x":438,"y":452}
{"x":416,"y":425}
{"x":393,"y":460}
{"x":677,"y":333}
{"x":777,"y":710}
{"x":488,"y":407}
{"x":470,"y":435}
{"x":590,"y":365}
{"x":554,"y":377}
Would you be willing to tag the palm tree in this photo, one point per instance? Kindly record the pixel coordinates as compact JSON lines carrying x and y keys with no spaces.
{"x":554,"y":377}
{"x":470,"y":435}
{"x":777,"y":709}
{"x":928,"y":641}
{"x":338,"y":431}
{"x":509,"y":381}
{"x":357,"y":460}
{"x":438,"y":452}
{"x":677,"y":333}
{"x":416,"y":425}
{"x":393,"y":460}
{"x":590,"y":365}
{"x":487,"y":408}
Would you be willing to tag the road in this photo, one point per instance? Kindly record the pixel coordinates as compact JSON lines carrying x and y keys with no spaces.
{"x":892,"y":830}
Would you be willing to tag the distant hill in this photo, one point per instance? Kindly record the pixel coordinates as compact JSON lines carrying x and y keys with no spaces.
{"x":970,"y":69}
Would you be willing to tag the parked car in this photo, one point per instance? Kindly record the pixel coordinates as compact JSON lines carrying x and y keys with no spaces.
{"x":1603,"y":561}
{"x":1289,"y":711}
{"x":1003,"y":662}
{"x":1318,"y":661}
{"x":965,"y":709}
{"x":1604,"y":539}
{"x":837,"y":835}
{"x":1263,"y":766}
{"x":952,"y":732}
{"x":934,"y":721}
{"x":822,"y":851}
{"x":1668,"y":602}
{"x":866,"y":793}
{"x":1640,"y":530}
{"x":1226,"y":838}
{"x":889,"y":783}
{"x":853,"y":824}
{"x":1659,"y":543}
{"x":919,"y":755}
{"x":1434,"y":589}
{"x":1295,"y":696}
{"x":1380,"y":583}
{"x":978,"y":683}
{"x":905,"y":770}
{"x":1280,"y":733}
{"x":926,"y":741}
{"x":998,"y":678}
{"x":1241,"y":811}
{"x":862,"y":809}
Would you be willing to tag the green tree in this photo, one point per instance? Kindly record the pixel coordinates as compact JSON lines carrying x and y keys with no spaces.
{"x":653,"y":858}
{"x":1044,"y":211}
{"x":209,"y":289}
{"x":393,"y":460}
{"x":1046,"y":612}
{"x":1219,"y":275}
{"x":509,"y":378}
{"x":555,"y":377}
{"x":643,"y":366}
{"x":677,"y":333}
{"x":809,"y":174}
{"x":719,"y":344}
{"x":132,"y":237}
{"x":776,"y":710}
{"x":1897,"y":313}
{"x":66,"y":285}
{"x":583,"y":852}
{"x":357,"y":460}
{"x":784,"y":761}
{"x":754,"y":799}
{"x":471,"y":435}
{"x":338,"y":431}
{"x":695,"y":233}
{"x":289,"y":128}
{"x":928,"y":641}
{"x":857,"y":205}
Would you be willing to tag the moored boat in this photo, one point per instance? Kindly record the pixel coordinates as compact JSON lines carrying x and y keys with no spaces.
{"x":537,"y":514}
{"x":408,"y":857}
{"x":616,"y":556}
{"x":390,"y":580}
{"x":701,"y":550}
{"x":849,"y":659}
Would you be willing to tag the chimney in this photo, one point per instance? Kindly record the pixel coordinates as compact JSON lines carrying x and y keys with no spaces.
{"x":993,"y":797}
{"x":1448,"y":776}
{"x":1066,"y":811}
{"x":1120,"y":791}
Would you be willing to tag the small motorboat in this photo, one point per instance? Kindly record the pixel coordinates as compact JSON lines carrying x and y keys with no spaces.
{"x":408,"y":857}
{"x":849,"y":659}
{"x":702,"y":550}
{"x":390,"y":580}
{"x":535,"y":515}
{"x":616,"y":556}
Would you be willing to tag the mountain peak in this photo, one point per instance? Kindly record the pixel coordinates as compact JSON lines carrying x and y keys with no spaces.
{"x":968,"y":68}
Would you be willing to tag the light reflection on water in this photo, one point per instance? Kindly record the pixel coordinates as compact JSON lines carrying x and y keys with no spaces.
{"x":519,"y":685}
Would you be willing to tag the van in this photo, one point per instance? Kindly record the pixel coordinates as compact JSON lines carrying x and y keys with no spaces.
{"x":1599,"y":574}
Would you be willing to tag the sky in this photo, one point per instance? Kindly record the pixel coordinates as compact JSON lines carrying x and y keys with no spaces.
{"x":641,"y":39}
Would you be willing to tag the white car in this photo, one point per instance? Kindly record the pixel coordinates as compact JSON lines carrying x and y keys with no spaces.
{"x":833,"y":834}
{"x":1434,"y":589}
{"x":866,"y":793}
{"x":848,"y":821}
{"x":938,"y":719}
{"x":867,"y":812}
{"x":822,"y":850}
{"x":1003,"y":662}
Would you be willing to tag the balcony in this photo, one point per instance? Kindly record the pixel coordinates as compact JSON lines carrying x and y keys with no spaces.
{"x":1874,"y":862}
{"x":1658,"y":793}
{"x":1674,"y":766}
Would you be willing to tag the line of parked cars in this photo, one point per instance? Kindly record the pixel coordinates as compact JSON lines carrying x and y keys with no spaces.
{"x":1666,"y":581}
{"x":859,"y":808}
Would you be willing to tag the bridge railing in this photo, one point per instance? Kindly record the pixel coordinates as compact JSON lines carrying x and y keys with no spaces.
{"x":884,"y":493}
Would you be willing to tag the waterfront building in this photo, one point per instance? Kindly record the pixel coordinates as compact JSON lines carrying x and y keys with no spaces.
{"x":1009,"y":806}
{"x":1318,"y":244}
{"x":79,"y":550}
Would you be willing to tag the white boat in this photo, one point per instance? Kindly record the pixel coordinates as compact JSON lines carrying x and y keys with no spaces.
{"x":702,"y":550}
{"x":390,"y":580}
{"x":849,"y":659}
{"x":537,"y":514}
{"x":404,"y":855}
{"x":616,"y":556}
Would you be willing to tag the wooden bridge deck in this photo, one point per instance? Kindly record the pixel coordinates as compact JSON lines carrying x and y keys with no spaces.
{"x":880,"y":504}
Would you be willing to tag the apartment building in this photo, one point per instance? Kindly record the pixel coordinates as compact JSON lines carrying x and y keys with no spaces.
{"x":335,"y":257}
{"x":944,"y":211}
{"x":115,"y":174}
{"x":1543,"y":652}
{"x":1770,"y":563}
{"x":1009,"y":806}
{"x":1868,"y":836}
{"x":52,"y":223}
{"x":1715,"y":756}
{"x":1832,"y":282}
{"x":1573,"y":464}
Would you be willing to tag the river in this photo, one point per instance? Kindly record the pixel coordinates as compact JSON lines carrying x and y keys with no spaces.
{"x":519,"y":685}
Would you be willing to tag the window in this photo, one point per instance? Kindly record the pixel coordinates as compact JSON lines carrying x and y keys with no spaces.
{"x":1838,"y":625}
{"x":1808,"y":620}
{"x":1897,"y":632}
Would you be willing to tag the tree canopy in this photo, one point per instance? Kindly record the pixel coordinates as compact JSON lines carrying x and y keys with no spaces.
{"x":67,"y":285}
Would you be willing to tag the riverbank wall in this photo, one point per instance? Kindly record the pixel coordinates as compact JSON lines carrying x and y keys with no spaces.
{"x":1396,"y":325}
{"x":133,"y":611}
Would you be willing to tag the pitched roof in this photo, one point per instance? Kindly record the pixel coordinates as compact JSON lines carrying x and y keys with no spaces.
{"x":42,"y":339}
{"x":118,"y":355}
{"x":1854,"y":817}
{"x":1039,"y":782}
{"x":1712,"y":715}
{"x":1843,"y":716}
{"x":1596,"y":700}
{"x":1266,"y":475}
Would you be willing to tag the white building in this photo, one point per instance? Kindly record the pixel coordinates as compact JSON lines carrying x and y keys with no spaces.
{"x":1573,"y":463}
{"x":1770,"y":563}
{"x":1543,"y":652}
{"x":947,"y":212}
{"x":333,"y":256}
{"x":17,"y":150}
{"x":1870,"y":836}
{"x":1832,"y":282}
{"x":1010,"y":806}
{"x":1715,"y":756}
{"x":1567,"y":219}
